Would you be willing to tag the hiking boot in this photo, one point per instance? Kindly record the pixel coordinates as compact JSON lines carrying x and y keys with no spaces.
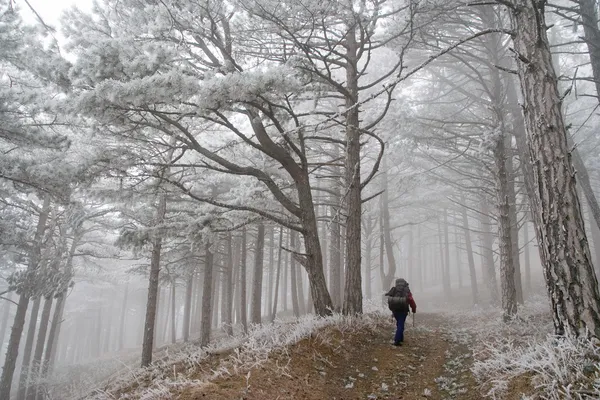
{"x":397,"y":343}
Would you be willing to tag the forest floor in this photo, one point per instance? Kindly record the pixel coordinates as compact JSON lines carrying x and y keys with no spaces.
{"x":433,"y":363}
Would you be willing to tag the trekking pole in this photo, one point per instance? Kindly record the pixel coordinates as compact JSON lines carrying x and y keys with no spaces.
{"x":413,"y":320}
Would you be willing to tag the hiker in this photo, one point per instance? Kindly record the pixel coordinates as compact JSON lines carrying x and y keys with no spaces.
{"x":399,"y":300}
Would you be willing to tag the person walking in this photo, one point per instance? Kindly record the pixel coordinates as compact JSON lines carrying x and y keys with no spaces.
{"x":400,"y":300}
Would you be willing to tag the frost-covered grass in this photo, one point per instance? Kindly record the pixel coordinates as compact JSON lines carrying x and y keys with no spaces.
{"x":525,"y":350}
{"x":240,"y":354}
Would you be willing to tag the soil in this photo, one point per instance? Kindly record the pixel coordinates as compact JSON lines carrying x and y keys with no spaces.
{"x":338,"y":365}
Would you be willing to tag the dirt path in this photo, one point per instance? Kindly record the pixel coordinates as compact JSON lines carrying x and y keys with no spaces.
{"x":432,"y":364}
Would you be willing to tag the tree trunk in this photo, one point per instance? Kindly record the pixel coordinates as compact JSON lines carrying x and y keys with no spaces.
{"x":228,"y":287}
{"x":335,"y":246}
{"x":26,"y":363}
{"x":256,"y":303}
{"x":369,"y":231}
{"x":294,"y":276}
{"x":36,"y":364}
{"x":187,"y":307}
{"x":269,"y":302}
{"x":151,"y":306}
{"x":243,"y":305}
{"x":488,"y":252}
{"x":386,"y":232}
{"x":446,"y":275}
{"x":353,"y":285}
{"x":513,"y":218}
{"x":507,"y":266}
{"x":205,"y":325}
{"x":16,"y":332}
{"x":124,"y":309}
{"x":564,"y":251}
{"x":471,"y":260}
{"x":173,"y":313}
{"x":5,"y":315}
{"x":274,"y":313}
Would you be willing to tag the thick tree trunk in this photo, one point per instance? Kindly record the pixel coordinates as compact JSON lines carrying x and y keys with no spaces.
{"x":257,"y":282}
{"x":564,"y":251}
{"x":507,"y":266}
{"x":274,"y":312}
{"x":353,"y":286}
{"x":205,"y":324}
{"x":151,"y":305}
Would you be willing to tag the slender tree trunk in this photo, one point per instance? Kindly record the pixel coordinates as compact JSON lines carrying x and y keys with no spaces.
{"x":124,"y":308}
{"x":286,"y":280}
{"x":527,"y":257}
{"x":274,"y":313}
{"x":335,"y":246}
{"x":36,"y":364}
{"x":187,"y":307}
{"x":369,"y":225}
{"x":14,"y":341}
{"x":446,"y":274}
{"x":471,"y":260}
{"x":513,"y":218}
{"x":173,"y":313}
{"x":564,"y":250}
{"x":243,"y":275}
{"x":27,"y":352}
{"x":386,"y":232}
{"x":269,"y":302}
{"x":5,"y":315}
{"x":488,"y":252}
{"x":205,"y":325}
{"x":294,"y":276}
{"x":256,"y":304}
{"x":151,"y":306}
{"x":227,"y":300}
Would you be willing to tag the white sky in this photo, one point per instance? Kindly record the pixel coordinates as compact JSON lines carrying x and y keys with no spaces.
{"x":50,"y":10}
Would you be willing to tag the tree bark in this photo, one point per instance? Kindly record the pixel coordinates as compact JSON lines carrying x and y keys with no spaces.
{"x":187,"y":307}
{"x":26,"y":362}
{"x":243,"y":275}
{"x":470,"y":258}
{"x":269,"y":302}
{"x":151,"y":306}
{"x":335,"y":245}
{"x":173,"y":313}
{"x":353,"y":286}
{"x":564,"y":251}
{"x":446,"y":275}
{"x":294,"y":276}
{"x":228,"y":286}
{"x":205,"y":325}
{"x":257,"y":283}
{"x":16,"y":332}
{"x":274,"y":312}
{"x":488,"y":252}
{"x":36,"y":363}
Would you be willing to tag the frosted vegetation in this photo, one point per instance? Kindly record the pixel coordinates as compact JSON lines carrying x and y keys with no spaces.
{"x":185,"y":181}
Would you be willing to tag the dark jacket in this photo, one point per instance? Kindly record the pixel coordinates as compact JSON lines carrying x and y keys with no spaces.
{"x":400,"y":288}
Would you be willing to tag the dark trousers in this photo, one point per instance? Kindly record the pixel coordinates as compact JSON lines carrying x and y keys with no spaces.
{"x":400,"y":320}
